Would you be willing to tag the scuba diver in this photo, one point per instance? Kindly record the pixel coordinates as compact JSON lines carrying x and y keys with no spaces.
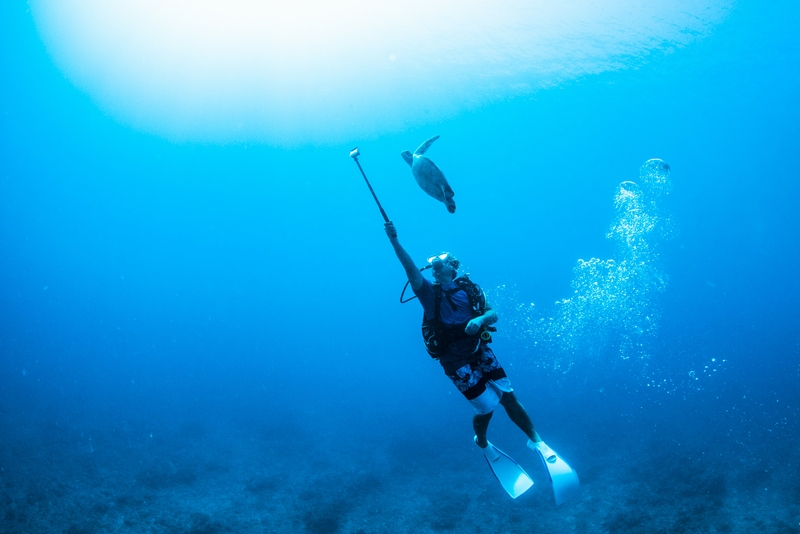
{"x":457,"y":326}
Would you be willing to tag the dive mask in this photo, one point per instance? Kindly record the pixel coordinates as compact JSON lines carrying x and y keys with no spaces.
{"x":446,"y":257}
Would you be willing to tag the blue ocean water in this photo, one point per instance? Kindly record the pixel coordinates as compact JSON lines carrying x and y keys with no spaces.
{"x":207,"y":337}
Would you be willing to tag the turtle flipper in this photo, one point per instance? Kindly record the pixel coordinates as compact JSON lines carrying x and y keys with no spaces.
{"x":426,"y":145}
{"x":448,"y":198}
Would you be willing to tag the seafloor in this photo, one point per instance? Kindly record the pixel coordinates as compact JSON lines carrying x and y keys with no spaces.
{"x":232,"y":475}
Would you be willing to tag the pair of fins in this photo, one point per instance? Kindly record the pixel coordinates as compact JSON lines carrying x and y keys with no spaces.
{"x":514,"y":479}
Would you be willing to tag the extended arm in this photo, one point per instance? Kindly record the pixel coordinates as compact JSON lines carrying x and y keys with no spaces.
{"x":412,"y":272}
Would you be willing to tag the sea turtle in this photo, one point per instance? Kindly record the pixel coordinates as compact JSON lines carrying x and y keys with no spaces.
{"x":428,"y":175}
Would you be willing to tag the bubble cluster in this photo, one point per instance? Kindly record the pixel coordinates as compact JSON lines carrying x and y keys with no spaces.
{"x":707,"y":371}
{"x":614,"y":305}
{"x":654,"y":174}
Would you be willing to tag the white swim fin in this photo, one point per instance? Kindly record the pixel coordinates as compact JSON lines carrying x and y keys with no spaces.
{"x":511,"y":476}
{"x":562,"y":477}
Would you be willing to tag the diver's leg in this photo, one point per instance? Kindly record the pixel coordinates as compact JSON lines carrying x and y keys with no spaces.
{"x":481,"y":423}
{"x":516,"y":412}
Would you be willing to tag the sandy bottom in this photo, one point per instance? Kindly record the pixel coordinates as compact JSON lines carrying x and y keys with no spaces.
{"x":195,"y":478}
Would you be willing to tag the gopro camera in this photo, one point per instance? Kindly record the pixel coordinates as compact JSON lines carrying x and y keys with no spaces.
{"x":355,"y":153}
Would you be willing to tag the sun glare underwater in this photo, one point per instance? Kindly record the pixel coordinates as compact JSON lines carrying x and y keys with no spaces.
{"x":323,"y":71}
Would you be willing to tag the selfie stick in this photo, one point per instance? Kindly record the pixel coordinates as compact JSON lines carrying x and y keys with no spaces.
{"x":354,"y":154}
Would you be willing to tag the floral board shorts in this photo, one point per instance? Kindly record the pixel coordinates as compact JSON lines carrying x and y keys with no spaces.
{"x":482,"y":382}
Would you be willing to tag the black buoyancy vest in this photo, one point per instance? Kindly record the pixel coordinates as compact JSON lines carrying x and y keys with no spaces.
{"x":438,"y":336}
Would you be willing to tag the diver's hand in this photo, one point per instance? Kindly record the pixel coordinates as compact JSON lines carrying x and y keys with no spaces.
{"x":391,"y":231}
{"x":474,"y":325}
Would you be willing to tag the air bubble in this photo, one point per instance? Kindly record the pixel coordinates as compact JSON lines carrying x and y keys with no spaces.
{"x":614,"y":302}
